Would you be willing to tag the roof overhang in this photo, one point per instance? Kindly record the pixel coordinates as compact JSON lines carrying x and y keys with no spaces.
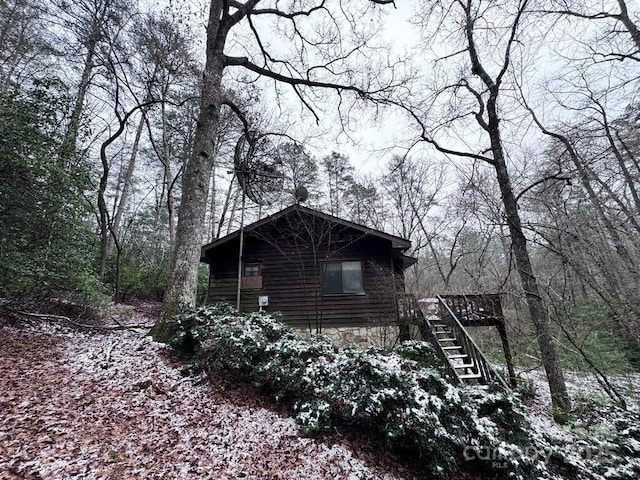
{"x":398,"y":244}
{"x":407,"y":261}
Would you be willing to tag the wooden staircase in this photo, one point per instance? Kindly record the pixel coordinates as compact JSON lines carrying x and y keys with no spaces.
{"x":437,"y":323}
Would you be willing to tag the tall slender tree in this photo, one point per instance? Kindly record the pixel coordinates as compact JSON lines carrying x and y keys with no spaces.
{"x":484,"y":53}
{"x":24,"y":46}
{"x":315,"y":54}
{"x":338,"y":172}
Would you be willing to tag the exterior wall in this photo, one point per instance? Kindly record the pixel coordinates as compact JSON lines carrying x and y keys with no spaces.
{"x":291,"y":266}
{"x":380,"y":336}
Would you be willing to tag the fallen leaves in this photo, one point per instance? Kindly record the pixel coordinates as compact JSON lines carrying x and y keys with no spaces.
{"x":113,"y":406}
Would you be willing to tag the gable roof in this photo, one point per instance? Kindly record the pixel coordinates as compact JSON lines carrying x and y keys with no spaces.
{"x":397,"y":243}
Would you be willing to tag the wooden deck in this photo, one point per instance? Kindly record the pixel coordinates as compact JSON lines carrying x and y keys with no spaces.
{"x":475,"y":310}
{"x":443,"y":320}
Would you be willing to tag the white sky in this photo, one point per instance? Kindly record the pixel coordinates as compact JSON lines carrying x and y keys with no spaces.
{"x":371,"y":141}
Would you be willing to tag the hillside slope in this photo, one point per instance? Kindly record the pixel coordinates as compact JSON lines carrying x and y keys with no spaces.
{"x":114,"y":406}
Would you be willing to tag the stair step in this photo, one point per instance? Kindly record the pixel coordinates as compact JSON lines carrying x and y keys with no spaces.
{"x":463,"y":369}
{"x":456,"y":356}
{"x":453,"y":347}
{"x":469,"y":376}
{"x":450,"y":339}
{"x":464,"y":365}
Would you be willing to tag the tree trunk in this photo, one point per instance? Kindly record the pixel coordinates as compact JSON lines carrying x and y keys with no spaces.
{"x":181,"y":291}
{"x":583,"y":175}
{"x":126,"y":183}
{"x":103,"y":212}
{"x":537,"y":310}
{"x":218,"y":231}
{"x":631,"y":27}
{"x":70,"y":140}
{"x":165,"y":158}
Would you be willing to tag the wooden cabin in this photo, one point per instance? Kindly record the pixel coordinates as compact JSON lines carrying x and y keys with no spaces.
{"x":318,"y":270}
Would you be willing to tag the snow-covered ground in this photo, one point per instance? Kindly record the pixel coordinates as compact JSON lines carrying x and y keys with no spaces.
{"x":113,"y":406}
{"x":600,"y":436}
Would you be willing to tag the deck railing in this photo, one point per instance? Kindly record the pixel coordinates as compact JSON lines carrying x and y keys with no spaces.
{"x":485,"y":309}
{"x":410,"y":313}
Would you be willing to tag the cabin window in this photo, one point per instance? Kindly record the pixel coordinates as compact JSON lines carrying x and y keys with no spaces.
{"x":251,"y":276}
{"x":343,"y":277}
{"x":251,"y":270}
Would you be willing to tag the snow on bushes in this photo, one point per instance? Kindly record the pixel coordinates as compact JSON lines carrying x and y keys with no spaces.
{"x":401,"y":395}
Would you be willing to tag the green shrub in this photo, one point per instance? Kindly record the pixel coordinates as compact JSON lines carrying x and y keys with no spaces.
{"x":526,"y":388}
{"x":401,"y":394}
{"x":46,"y":242}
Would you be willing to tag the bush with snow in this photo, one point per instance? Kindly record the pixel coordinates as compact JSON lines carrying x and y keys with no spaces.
{"x":400,"y":394}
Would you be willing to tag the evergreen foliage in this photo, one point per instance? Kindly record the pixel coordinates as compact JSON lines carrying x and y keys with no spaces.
{"x":45,"y":244}
{"x":400,"y":395}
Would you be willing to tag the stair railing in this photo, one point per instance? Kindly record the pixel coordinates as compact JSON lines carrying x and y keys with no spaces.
{"x":485,"y":369}
{"x":411,"y":313}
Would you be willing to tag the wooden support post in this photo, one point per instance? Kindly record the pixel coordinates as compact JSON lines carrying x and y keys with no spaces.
{"x":502,"y":330}
{"x":404,"y":333}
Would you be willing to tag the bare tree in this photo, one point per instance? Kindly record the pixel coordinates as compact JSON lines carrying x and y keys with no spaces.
{"x":481,"y":94}
{"x":412,"y":187}
{"x":23,"y":40}
{"x":167,"y":68}
{"x":124,"y":183}
{"x":338,"y":172}
{"x":94,"y":26}
{"x":321,"y":52}
{"x":300,"y":169}
{"x":597,"y":11}
{"x":591,"y":223}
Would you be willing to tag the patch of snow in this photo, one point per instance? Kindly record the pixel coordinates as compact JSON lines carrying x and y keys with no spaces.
{"x":110,"y":406}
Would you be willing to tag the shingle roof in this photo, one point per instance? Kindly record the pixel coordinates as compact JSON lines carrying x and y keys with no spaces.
{"x":398,"y":243}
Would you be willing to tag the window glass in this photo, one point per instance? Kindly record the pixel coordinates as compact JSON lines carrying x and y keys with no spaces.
{"x":351,"y":277}
{"x":333,"y":278}
{"x":252,"y":270}
{"x":343,"y":277}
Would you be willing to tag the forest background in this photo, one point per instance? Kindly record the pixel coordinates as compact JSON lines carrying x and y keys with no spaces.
{"x":386,"y":112}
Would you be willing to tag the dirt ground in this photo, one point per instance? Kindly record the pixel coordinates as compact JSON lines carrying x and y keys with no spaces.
{"x":113,"y":405}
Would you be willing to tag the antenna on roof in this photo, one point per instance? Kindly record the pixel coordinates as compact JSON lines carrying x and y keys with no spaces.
{"x":257,"y":168}
{"x":301,"y":194}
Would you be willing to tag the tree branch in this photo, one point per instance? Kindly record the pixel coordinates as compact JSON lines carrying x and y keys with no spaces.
{"x":543,"y":180}
{"x":246,"y":63}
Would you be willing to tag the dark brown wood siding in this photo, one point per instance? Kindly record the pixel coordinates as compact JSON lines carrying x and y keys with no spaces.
{"x":291,"y":269}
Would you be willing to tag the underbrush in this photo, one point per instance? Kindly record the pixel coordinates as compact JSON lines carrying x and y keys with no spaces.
{"x":55,"y":304}
{"x":401,"y":395}
{"x":403,"y":398}
{"x":583,"y":331}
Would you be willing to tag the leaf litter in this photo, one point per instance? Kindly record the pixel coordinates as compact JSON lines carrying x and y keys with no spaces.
{"x":114,"y":405}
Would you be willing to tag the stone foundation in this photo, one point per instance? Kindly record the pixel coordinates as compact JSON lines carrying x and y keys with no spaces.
{"x":380,"y":336}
